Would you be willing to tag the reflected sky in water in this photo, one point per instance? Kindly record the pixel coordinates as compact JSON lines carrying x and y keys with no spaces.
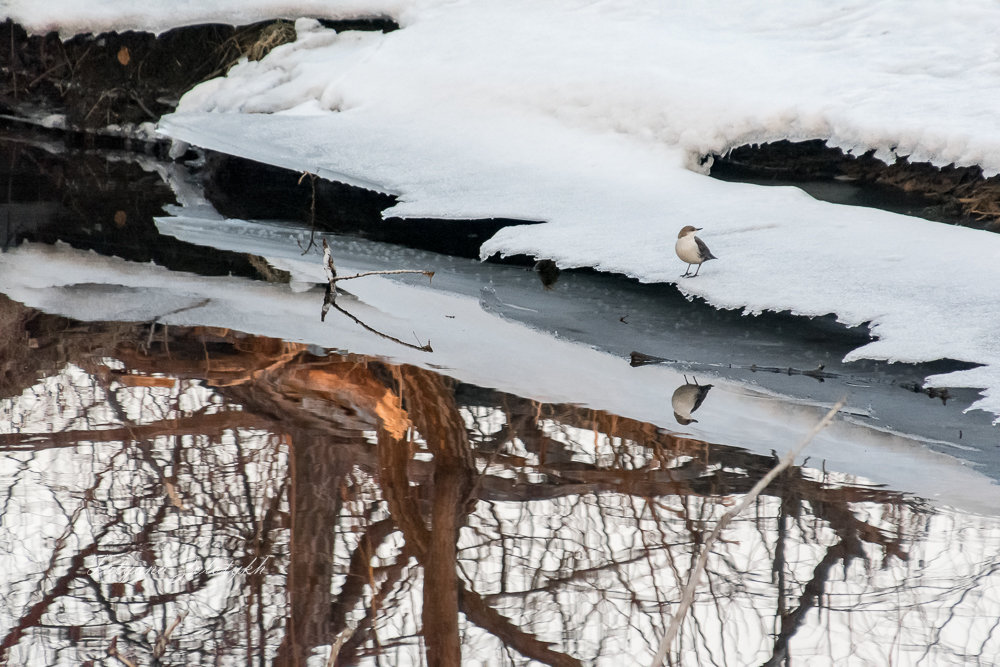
{"x":186,"y":495}
{"x":198,"y":495}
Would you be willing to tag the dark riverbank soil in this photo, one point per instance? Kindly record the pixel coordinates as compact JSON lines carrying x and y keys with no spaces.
{"x":97,"y":200}
{"x":957,"y":195}
{"x":129,"y":78}
{"x":240,"y":188}
{"x":106,"y":86}
{"x":116,"y":78}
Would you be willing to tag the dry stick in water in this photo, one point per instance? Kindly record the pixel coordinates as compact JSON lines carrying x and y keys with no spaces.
{"x":429,"y":274}
{"x":687,"y":599}
{"x":331,"y":271}
{"x":423,"y":348}
{"x":161,"y":642}
{"x":312,"y":211}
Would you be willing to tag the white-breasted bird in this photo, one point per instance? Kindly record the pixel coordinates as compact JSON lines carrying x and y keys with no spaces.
{"x":692,"y":250}
{"x":687,"y":398}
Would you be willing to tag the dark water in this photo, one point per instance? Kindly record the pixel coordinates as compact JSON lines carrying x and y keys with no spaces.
{"x":196,"y":494}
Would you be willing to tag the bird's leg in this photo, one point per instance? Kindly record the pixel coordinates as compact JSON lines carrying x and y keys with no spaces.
{"x":687,"y":272}
{"x":696,"y":271}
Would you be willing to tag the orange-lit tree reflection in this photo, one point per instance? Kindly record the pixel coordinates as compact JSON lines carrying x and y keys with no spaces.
{"x":211,"y":496}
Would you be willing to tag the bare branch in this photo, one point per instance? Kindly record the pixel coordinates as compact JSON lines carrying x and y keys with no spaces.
{"x":687,"y":598}
{"x":429,"y":274}
{"x":161,"y":641}
{"x":422,"y":348}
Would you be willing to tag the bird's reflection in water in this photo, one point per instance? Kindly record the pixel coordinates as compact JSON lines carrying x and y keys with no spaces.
{"x":390,"y":515}
{"x":687,"y":398}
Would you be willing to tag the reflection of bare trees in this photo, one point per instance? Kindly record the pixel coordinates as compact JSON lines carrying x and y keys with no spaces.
{"x":201,"y":495}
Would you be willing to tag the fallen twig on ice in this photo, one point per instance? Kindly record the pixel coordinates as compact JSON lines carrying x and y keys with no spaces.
{"x":330,"y":298}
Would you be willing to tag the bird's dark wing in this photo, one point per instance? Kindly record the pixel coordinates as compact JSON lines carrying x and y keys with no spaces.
{"x":706,"y":254}
{"x":700,"y":398}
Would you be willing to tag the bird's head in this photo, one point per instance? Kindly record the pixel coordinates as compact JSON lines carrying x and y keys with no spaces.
{"x":689,"y":229}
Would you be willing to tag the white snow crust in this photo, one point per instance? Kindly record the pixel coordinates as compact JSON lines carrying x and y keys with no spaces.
{"x":73,"y":17}
{"x":594,"y":116}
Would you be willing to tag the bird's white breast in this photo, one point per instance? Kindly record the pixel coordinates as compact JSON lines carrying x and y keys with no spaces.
{"x":687,"y":249}
{"x":683,"y":400}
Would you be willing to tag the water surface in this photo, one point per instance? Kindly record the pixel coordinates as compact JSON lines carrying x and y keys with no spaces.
{"x":198,"y":470}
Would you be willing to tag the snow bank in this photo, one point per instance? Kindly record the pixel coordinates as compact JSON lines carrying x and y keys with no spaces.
{"x":593,"y":117}
{"x":71,"y":17}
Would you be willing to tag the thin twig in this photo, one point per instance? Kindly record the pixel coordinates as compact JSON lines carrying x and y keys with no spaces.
{"x":687,"y":599}
{"x":142,"y":105}
{"x":113,"y":652}
{"x":45,"y":74}
{"x":429,"y":274}
{"x":203,"y":302}
{"x":338,"y":643}
{"x":422,"y":348}
{"x":330,"y":271}
{"x":312,"y":210}
{"x":161,"y":642}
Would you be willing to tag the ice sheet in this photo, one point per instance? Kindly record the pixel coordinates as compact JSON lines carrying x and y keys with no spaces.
{"x":474,"y":346}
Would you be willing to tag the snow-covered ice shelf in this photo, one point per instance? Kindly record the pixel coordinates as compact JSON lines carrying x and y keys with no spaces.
{"x":72,"y":17}
{"x":595,"y":118}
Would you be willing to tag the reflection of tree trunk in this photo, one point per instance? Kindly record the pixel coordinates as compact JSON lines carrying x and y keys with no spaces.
{"x":431,"y":405}
{"x":789,"y":506}
{"x":440,"y":610}
{"x":315,"y":507}
{"x":845,"y":550}
{"x":433,"y":409}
